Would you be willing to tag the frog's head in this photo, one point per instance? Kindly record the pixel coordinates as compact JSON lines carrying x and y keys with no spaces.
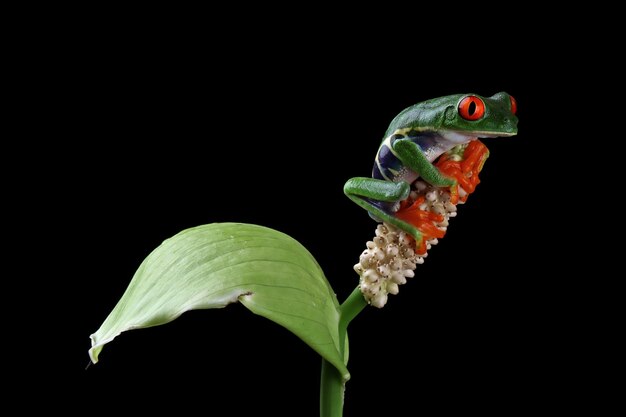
{"x":476,"y":116}
{"x":460,"y":118}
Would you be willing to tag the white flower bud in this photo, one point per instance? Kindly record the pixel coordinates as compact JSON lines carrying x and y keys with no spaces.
{"x":379,"y":241}
{"x":420,"y":186}
{"x":365,"y":257}
{"x":398,"y":278}
{"x":439,"y":209}
{"x":384,"y":270}
{"x":379,"y":300}
{"x":392,"y":250}
{"x":392,"y":288}
{"x":370,"y":276}
{"x":396,"y":264}
{"x":408,"y":264}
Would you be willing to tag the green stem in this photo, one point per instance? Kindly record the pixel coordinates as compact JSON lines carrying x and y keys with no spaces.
{"x":331,"y":391}
{"x":350,"y":308}
{"x":332,"y":386}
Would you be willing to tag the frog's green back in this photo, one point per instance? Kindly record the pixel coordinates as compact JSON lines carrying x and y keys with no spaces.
{"x":425,"y":116}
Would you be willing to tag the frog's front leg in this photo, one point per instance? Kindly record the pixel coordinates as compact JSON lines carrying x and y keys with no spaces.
{"x":372,"y":194}
{"x":412,"y":156}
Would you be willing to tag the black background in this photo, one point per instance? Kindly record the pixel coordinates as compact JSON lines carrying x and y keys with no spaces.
{"x":155,"y":134}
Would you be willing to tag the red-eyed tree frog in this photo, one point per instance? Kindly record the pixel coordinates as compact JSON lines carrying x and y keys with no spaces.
{"x":416,"y":138}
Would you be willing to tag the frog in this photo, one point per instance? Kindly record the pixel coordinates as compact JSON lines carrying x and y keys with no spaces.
{"x":414,"y":140}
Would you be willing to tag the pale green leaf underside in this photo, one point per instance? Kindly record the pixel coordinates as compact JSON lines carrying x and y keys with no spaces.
{"x":213,"y":265}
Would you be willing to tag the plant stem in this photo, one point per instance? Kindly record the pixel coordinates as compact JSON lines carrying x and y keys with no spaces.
{"x":332,"y":386}
{"x":354,"y":304}
{"x":331,"y":391}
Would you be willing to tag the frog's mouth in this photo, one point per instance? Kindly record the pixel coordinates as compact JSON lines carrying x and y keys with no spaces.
{"x":494,"y":134}
{"x":456,"y":137}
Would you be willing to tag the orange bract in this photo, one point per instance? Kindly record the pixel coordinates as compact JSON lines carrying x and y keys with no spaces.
{"x":422,"y":219}
{"x":465,"y":171}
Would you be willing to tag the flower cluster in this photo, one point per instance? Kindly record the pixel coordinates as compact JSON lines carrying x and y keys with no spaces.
{"x":386,"y":263}
{"x":392,"y":256}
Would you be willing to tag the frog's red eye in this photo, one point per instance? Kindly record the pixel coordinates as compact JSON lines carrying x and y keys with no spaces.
{"x":471,"y":108}
{"x":513,"y":105}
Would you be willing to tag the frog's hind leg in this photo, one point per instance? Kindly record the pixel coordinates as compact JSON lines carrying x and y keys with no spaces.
{"x":372,"y":194}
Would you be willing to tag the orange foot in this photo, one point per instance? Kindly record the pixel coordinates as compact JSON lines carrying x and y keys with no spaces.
{"x":465,"y":171}
{"x":423,"y":220}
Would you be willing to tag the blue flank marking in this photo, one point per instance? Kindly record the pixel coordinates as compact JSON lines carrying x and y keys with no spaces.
{"x":387,"y":161}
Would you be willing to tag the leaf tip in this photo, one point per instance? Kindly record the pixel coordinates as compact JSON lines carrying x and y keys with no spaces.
{"x":95,"y":349}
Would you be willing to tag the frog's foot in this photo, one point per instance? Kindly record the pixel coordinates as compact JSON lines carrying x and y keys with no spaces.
{"x":423,"y":220}
{"x":464,"y":170}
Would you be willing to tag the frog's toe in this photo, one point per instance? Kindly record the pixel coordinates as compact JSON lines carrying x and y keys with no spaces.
{"x":425,"y":222}
{"x":464,"y":171}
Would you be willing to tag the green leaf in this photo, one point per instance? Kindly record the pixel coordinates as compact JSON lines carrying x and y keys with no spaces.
{"x":217,"y":264}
